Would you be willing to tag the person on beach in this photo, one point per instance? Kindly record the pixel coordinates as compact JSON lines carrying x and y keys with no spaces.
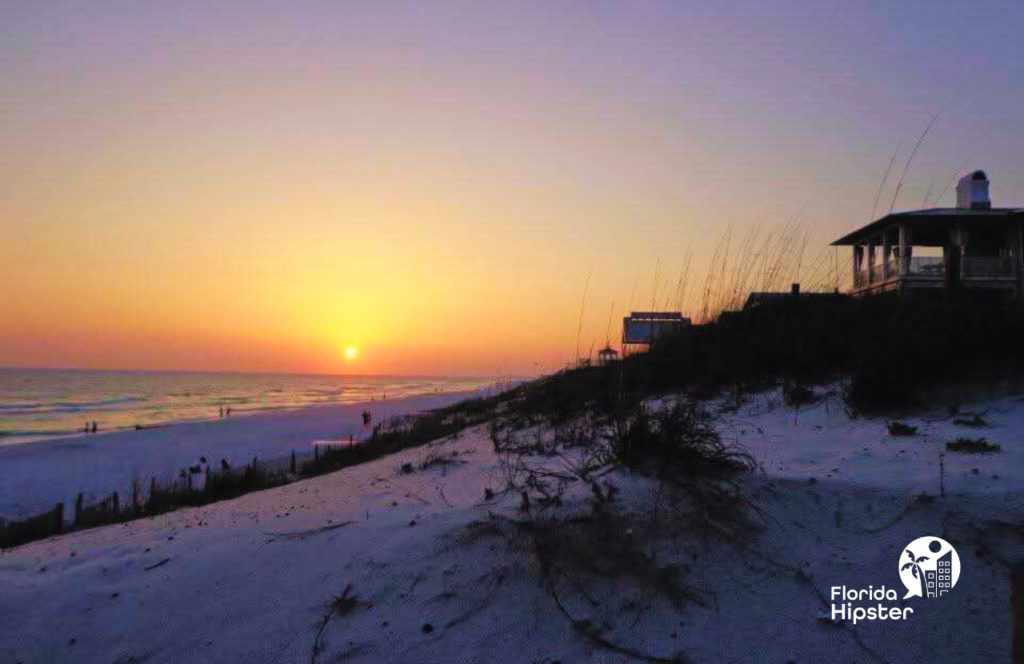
{"x":221,"y":413}
{"x":367,"y":418}
{"x":94,"y":427}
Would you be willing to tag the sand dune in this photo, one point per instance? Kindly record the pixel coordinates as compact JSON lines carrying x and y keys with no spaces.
{"x":254,"y":579}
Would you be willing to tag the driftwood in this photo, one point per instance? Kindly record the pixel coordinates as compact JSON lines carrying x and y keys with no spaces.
{"x":303,"y":534}
{"x":159,"y":564}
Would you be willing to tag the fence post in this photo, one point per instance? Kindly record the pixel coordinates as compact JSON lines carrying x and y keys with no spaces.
{"x":942,"y":474}
{"x":1017,"y":602}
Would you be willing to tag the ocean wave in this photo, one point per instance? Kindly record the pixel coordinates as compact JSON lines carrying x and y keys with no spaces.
{"x":38,"y":405}
{"x":8,"y":433}
{"x":230,"y":400}
{"x":66,"y":406}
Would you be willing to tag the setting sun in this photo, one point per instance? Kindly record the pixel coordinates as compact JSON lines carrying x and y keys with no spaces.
{"x":351,"y":353}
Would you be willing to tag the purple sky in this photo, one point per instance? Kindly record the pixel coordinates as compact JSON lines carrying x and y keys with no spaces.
{"x":248,"y":163}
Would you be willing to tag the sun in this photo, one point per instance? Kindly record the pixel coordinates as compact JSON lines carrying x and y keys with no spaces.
{"x":351,"y":353}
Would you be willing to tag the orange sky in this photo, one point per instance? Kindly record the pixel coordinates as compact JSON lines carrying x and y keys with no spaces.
{"x":202,"y":188}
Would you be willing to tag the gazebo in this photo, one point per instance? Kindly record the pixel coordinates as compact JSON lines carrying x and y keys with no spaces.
{"x":981,"y":247}
{"x":607,"y":355}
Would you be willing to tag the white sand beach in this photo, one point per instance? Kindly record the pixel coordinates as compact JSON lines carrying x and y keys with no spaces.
{"x":432,"y":570}
{"x":35,"y":476}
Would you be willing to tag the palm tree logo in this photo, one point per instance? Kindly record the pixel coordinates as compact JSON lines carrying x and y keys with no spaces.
{"x":932,"y":574}
{"x":915,"y":567}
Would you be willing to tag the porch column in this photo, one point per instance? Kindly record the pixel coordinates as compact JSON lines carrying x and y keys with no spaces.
{"x":905,"y":249}
{"x":1014,"y":253}
{"x":963,"y":239}
{"x":954,"y":254}
{"x":871,"y":261}
{"x":886,"y":255}
{"x":858,"y":263}
{"x":1019,"y":263}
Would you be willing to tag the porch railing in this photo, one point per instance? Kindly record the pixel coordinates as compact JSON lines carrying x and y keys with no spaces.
{"x":927,"y":266}
{"x":934,"y":267}
{"x":986,"y":267}
{"x":922,"y":266}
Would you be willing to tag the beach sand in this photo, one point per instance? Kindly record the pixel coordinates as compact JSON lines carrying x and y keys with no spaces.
{"x":35,"y":476}
{"x":254,"y":579}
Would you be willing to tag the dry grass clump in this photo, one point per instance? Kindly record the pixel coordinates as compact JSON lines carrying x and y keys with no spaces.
{"x":679,"y":443}
{"x":973,"y":446}
{"x":602,"y":566}
{"x":795,"y":394}
{"x":974,"y":421}
{"x":897,"y":428}
{"x":434,"y":459}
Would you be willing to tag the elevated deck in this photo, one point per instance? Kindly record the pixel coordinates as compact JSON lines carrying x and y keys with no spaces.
{"x":932,"y":272}
{"x":981,"y":249}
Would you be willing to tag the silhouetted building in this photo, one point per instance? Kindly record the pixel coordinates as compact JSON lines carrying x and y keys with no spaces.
{"x":759,"y":298}
{"x":982,"y":246}
{"x":607,"y":355}
{"x":641,"y":328}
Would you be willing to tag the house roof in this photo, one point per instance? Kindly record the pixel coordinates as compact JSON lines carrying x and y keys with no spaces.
{"x":929,"y":216}
{"x":655,"y":315}
{"x":641,"y":327}
{"x":761,"y":297}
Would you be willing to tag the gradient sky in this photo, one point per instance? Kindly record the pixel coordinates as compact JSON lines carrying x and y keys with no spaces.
{"x":254,"y":186}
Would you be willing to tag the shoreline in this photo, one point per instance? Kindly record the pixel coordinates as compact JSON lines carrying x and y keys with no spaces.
{"x":34,"y":410}
{"x":38,"y":475}
{"x":28,"y":438}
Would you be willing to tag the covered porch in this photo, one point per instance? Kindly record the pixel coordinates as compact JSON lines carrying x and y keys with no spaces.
{"x":937,"y":249}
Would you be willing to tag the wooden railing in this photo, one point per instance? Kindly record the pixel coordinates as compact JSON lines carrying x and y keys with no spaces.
{"x":918,"y":266}
{"x":985,"y":267}
{"x":927,"y":266}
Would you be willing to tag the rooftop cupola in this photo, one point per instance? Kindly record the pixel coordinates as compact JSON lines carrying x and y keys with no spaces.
{"x":972,"y":192}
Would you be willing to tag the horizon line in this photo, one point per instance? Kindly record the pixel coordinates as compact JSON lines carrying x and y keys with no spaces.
{"x":261,"y":373}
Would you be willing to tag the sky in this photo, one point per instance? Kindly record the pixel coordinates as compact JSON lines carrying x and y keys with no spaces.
{"x":454,"y":188}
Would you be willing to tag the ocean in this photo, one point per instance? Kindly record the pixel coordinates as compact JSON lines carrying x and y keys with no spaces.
{"x":36,"y":404}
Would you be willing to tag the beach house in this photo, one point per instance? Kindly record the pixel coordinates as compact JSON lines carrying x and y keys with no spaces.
{"x":641,"y":328}
{"x":973,"y":246}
